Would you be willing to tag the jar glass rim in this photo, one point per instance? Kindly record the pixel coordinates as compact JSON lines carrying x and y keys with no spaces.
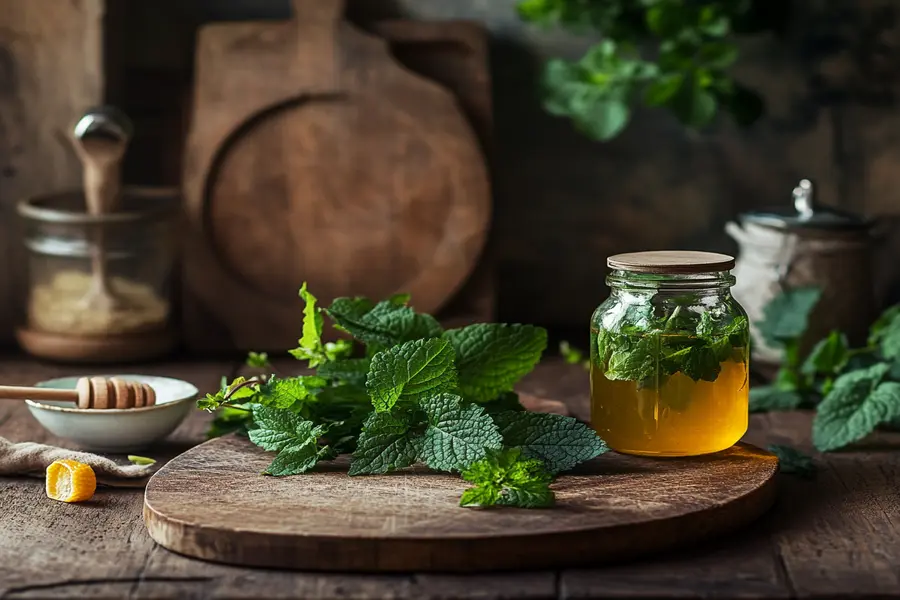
{"x":709,"y":280}
{"x":155,"y":201}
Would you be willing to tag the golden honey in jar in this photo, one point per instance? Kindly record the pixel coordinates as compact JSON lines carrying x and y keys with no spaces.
{"x":669,"y":355}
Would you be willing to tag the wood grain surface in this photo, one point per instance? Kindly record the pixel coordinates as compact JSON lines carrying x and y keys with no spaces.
{"x":671,"y":261}
{"x":314,"y":156}
{"x":612,"y":508}
{"x":51,"y":69}
{"x":834,"y":536}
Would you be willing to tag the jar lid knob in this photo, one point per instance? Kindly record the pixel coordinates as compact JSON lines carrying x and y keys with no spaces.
{"x":803,"y":199}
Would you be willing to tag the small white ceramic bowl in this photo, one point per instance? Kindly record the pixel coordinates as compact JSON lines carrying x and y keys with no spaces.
{"x":116,"y":430}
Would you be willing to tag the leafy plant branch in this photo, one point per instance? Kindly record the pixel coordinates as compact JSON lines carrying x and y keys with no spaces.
{"x":853,"y":390}
{"x":672,"y":54}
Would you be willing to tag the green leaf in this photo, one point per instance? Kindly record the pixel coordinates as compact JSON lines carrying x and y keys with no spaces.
{"x":294,"y":460}
{"x":457,"y":434}
{"x":310,"y":343}
{"x":885,"y":334}
{"x":508,"y":478}
{"x":492,"y":357}
{"x":786,"y":316}
{"x":238,"y":389}
{"x":531,"y":494}
{"x":702,"y":363}
{"x":294,"y":438}
{"x":635,"y":363}
{"x":400,"y":299}
{"x":718,"y":55}
{"x":560,"y":442}
{"x":483,"y":496}
{"x":662,"y":90}
{"x":858,"y":404}
{"x":411,"y":371}
{"x":277,"y":429}
{"x":792,"y":461}
{"x":385,"y":323}
{"x":385,"y":444}
{"x":570,"y":354}
{"x":880,"y":327}
{"x":829,"y":356}
{"x":141,"y":460}
{"x":312,"y":321}
{"x":284,"y":393}
{"x":604,"y":120}
{"x":769,"y":398}
{"x":693,"y":104}
{"x":258,"y":360}
{"x":351,"y":370}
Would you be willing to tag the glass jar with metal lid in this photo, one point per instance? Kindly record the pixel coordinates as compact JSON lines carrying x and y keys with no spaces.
{"x":60,"y":318}
{"x":669,"y":355}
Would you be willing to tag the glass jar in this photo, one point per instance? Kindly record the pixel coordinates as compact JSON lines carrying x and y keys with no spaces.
{"x":670,"y":356}
{"x":60,"y":319}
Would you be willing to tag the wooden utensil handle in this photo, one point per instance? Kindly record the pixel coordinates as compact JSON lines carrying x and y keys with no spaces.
{"x":11,"y":392}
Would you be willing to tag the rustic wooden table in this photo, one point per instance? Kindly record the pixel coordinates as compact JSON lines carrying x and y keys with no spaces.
{"x":835,"y":536}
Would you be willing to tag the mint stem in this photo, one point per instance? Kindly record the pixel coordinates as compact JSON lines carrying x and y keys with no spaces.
{"x":669,"y":320}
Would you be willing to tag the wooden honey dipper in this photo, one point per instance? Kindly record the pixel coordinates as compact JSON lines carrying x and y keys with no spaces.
{"x":89,"y":392}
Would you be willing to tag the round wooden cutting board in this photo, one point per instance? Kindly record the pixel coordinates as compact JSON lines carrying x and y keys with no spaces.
{"x":212,"y":503}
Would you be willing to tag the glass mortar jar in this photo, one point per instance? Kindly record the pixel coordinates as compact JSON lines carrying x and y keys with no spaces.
{"x":60,"y":318}
{"x":670,"y":356}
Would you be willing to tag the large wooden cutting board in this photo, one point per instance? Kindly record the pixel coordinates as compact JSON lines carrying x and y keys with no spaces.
{"x":315,"y":156}
{"x":212,"y":503}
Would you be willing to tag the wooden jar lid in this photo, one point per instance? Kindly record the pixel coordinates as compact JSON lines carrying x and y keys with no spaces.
{"x":671,"y":262}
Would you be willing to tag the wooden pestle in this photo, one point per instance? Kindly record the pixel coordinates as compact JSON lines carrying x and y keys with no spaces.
{"x":100,"y":138}
{"x":89,"y":392}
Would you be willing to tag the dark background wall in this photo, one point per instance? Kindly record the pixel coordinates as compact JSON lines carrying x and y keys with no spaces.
{"x":562,"y":202}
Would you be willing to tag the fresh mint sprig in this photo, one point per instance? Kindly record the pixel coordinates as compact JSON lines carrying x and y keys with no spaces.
{"x":418,"y":394}
{"x":853,"y":390}
{"x":507,"y":478}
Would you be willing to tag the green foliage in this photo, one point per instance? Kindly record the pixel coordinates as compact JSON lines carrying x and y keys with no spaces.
{"x":411,"y":371}
{"x":258,"y":360}
{"x":492,"y":357}
{"x":507,"y":478}
{"x":458,"y":434}
{"x":793,"y":462}
{"x":418,"y":395}
{"x":786,"y":316}
{"x":769,"y":398}
{"x":854,"y":390}
{"x":859,"y":402}
{"x":558,"y":441}
{"x":649,"y":349}
{"x":692,"y":48}
{"x":294,"y":439}
{"x":573,"y":355}
{"x":387,"y":442}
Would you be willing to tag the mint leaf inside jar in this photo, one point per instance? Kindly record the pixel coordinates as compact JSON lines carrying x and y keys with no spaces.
{"x":669,"y":355}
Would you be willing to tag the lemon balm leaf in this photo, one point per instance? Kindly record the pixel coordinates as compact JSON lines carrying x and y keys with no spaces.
{"x":492,"y":357}
{"x":558,"y":441}
{"x":410,"y":371}
{"x":457,"y":434}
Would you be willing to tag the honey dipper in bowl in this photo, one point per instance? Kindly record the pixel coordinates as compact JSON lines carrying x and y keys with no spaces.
{"x":90,"y":392}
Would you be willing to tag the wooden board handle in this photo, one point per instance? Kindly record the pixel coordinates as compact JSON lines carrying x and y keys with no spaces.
{"x":317,"y":12}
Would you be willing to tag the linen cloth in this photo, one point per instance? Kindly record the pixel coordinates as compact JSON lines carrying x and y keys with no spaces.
{"x":32,"y":459}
